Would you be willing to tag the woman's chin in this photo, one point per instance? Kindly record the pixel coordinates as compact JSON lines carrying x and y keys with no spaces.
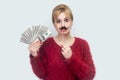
{"x":64,"y":32}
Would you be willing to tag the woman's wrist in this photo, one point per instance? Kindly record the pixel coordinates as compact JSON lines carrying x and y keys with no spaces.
{"x":34,"y":54}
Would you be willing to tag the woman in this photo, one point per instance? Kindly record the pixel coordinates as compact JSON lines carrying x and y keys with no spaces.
{"x":62,"y":57}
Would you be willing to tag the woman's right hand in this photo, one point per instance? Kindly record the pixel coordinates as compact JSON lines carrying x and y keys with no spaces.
{"x":34,"y":48}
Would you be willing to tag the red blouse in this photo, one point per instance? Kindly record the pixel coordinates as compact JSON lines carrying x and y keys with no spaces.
{"x":51,"y":65}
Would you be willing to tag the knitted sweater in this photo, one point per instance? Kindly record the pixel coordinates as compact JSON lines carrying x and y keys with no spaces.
{"x":51,"y":65}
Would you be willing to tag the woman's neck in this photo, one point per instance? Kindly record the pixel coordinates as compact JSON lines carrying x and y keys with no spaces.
{"x":64,"y":39}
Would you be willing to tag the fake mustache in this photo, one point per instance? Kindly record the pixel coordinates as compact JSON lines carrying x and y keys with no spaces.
{"x":63,"y":27}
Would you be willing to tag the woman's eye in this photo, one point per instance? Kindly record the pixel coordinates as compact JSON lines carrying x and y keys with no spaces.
{"x":66,"y":20}
{"x":58,"y":21}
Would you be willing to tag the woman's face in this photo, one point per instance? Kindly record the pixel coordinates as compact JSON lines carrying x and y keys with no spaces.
{"x":63,"y":24}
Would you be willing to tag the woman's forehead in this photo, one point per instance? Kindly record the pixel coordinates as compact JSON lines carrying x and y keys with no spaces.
{"x":62,"y":15}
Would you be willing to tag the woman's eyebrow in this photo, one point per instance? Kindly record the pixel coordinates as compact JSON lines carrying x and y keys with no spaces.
{"x":67,"y":17}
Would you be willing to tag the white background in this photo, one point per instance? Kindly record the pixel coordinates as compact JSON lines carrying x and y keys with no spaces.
{"x":97,"y":21}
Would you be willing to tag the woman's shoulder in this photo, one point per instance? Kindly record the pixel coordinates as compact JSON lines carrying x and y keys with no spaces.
{"x":48,"y":41}
{"x":81,"y":41}
{"x":46,"y":44}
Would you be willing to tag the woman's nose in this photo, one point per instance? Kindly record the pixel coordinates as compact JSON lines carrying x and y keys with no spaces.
{"x":62,"y":24}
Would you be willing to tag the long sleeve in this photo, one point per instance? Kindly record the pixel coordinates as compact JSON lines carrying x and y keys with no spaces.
{"x":82,"y":66}
{"x":37,"y":64}
{"x":51,"y":65}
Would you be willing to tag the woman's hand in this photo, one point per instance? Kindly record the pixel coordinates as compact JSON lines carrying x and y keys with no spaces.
{"x":34,"y":48}
{"x":66,"y":52}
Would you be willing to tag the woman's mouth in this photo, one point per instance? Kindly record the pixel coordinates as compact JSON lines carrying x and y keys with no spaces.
{"x":63,"y":28}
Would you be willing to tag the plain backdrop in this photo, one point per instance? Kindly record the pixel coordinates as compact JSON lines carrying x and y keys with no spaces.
{"x":97,"y":21}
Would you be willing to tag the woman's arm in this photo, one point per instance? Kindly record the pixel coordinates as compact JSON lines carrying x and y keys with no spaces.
{"x":36,"y":58}
{"x":83,"y":68}
{"x":37,"y":66}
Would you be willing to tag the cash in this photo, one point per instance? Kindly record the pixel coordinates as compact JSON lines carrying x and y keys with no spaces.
{"x":35,"y":32}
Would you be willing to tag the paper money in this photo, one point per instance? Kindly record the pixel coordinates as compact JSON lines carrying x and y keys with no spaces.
{"x":35,"y":32}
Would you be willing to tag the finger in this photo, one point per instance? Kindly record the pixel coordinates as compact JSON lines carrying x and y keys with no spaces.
{"x":66,"y":48}
{"x":33,"y":48}
{"x":35,"y":44}
{"x":63,"y":52}
{"x":63,"y":49}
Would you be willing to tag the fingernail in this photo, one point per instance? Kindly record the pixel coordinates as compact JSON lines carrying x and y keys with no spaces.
{"x":61,"y":45}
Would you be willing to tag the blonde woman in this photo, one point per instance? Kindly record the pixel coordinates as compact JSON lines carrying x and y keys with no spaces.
{"x":62,"y":57}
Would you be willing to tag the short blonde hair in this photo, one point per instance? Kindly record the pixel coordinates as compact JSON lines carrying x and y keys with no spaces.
{"x":59,"y":9}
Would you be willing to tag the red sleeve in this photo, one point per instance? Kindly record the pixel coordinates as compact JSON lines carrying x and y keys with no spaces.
{"x":83,"y":68}
{"x":38,"y":64}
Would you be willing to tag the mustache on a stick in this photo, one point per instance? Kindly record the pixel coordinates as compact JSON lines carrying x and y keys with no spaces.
{"x":63,"y":27}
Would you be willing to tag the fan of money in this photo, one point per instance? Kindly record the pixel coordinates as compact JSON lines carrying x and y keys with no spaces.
{"x":35,"y":32}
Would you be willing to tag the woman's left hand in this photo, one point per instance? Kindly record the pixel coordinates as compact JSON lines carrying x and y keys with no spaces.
{"x":66,"y":51}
